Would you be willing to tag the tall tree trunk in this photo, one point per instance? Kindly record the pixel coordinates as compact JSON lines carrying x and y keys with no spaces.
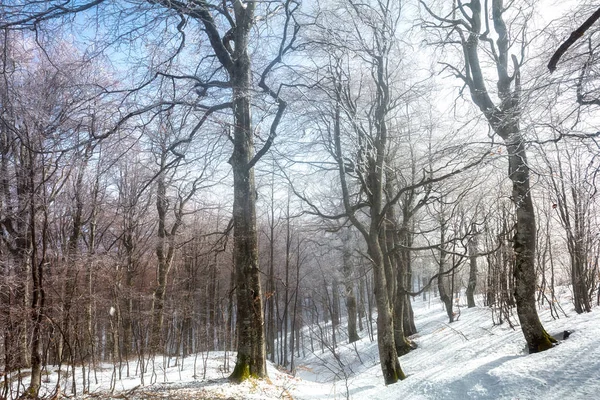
{"x":361,"y":300}
{"x":335,"y":303}
{"x":374,"y":233}
{"x":297,"y":310}
{"x":164,"y":256}
{"x":575,"y":222}
{"x":38,"y":296}
{"x":71,"y":259}
{"x":286,"y":300}
{"x":251,"y":356}
{"x":270,"y":300}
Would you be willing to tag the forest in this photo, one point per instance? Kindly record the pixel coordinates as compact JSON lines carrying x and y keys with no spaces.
{"x":184,"y":177}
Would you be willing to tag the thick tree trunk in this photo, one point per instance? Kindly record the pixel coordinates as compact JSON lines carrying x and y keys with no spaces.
{"x":524,"y":247}
{"x":70,"y":287}
{"x":404,"y":241}
{"x":581,"y":298}
{"x":361,"y":302}
{"x":251,"y":356}
{"x":574,"y":219}
{"x":352,"y":314}
{"x":403,"y":323}
{"x":388,"y":356}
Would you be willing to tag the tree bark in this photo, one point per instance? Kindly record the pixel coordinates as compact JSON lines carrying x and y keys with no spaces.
{"x":38,"y":295}
{"x":404,"y":240}
{"x":349,"y":292}
{"x":251,"y":356}
{"x":472,"y":249}
{"x":524,"y":247}
{"x":445,"y":297}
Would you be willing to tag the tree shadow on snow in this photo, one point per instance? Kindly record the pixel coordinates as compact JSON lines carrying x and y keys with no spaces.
{"x":479,"y":383}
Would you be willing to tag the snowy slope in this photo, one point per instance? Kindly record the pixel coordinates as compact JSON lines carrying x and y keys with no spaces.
{"x":472,"y":359}
{"x":468,"y":359}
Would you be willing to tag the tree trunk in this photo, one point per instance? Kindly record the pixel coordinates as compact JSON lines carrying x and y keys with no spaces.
{"x":388,"y":356}
{"x":286,"y":301}
{"x":270,"y":300}
{"x":335,"y":303}
{"x":472,"y":248}
{"x":404,"y":240}
{"x":38,"y":296}
{"x":403,"y":318}
{"x":164,"y":257}
{"x":445,"y":297}
{"x":251,"y":356}
{"x":524,"y":247}
{"x":296,"y":312}
{"x":408,"y":319}
{"x":349,"y":293}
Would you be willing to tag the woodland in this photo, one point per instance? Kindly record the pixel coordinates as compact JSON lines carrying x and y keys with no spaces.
{"x":261,"y":177}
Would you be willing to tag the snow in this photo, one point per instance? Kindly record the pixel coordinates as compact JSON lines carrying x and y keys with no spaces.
{"x":469,"y":359}
{"x":473,"y":359}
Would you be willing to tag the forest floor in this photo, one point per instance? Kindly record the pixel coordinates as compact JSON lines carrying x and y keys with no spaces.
{"x":471,"y":358}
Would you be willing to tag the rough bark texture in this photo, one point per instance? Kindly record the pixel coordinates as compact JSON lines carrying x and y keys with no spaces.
{"x":251,"y":356}
{"x":70,"y":279}
{"x":525,"y":247}
{"x":390,"y":366}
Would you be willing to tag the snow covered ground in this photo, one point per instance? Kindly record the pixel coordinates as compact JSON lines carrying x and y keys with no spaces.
{"x":473,"y":359}
{"x":468,"y":359}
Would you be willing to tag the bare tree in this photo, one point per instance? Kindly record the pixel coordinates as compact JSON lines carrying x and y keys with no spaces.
{"x":569,"y":177}
{"x":470,"y":26}
{"x":47,"y":111}
{"x":369,"y":163}
{"x":228,"y":28}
